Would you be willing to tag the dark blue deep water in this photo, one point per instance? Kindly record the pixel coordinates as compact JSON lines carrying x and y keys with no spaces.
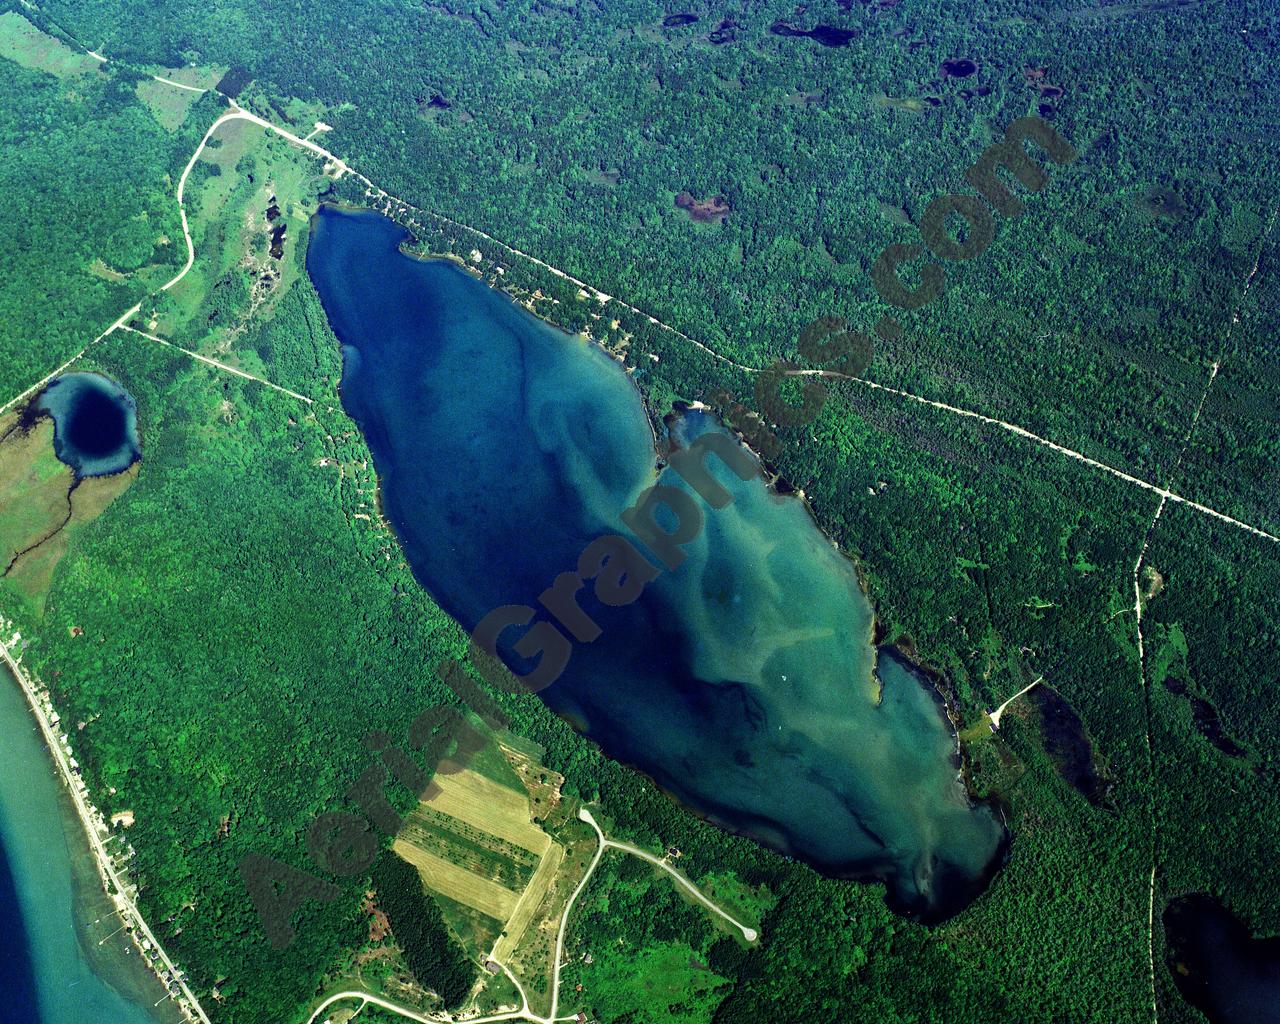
{"x":95,"y":423}
{"x":745,"y":681}
{"x":17,"y":983}
{"x":1219,"y":967}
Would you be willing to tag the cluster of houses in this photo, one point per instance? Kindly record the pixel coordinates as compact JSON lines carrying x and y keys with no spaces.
{"x":171,"y":978}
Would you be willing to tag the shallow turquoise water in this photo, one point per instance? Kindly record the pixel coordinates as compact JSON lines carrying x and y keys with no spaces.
{"x":745,"y":682}
{"x":46,"y":976}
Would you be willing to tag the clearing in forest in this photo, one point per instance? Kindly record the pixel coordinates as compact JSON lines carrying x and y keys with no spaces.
{"x":474,"y":842}
{"x":489,"y":806}
{"x":457,"y":882}
{"x":478,"y":842}
{"x":23,"y":43}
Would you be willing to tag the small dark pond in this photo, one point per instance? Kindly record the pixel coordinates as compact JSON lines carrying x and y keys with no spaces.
{"x":677,"y":20}
{"x":827,"y":35}
{"x":95,"y":423}
{"x":959,"y":67}
{"x":1068,"y":745}
{"x":1219,"y":967}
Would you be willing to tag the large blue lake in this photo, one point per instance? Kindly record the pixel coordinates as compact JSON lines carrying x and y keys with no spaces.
{"x":745,"y":682}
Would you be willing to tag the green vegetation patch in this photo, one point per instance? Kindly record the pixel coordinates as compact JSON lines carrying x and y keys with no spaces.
{"x":433,"y":956}
{"x":639,"y":952}
{"x":168,"y":104}
{"x":23,"y":43}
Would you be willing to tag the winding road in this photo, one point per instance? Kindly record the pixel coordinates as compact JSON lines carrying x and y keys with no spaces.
{"x":525,"y":1013}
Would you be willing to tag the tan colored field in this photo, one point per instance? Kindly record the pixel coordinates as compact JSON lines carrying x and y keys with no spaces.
{"x":490,"y":807}
{"x":530,"y":900}
{"x":469,"y":825}
{"x":39,"y":521}
{"x":458,"y":883}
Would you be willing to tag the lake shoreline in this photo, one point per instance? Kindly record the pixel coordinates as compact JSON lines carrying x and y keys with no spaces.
{"x":123,"y":972}
{"x":78,"y":818}
{"x":933,"y":680}
{"x":935,"y":702}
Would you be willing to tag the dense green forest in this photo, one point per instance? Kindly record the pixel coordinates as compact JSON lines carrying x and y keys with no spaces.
{"x":88,"y":216}
{"x":435,"y":959}
{"x":242,"y":627}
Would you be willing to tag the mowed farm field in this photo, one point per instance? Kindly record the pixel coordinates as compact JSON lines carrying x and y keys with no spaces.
{"x":459,"y":884}
{"x":489,"y":806}
{"x":473,"y":842}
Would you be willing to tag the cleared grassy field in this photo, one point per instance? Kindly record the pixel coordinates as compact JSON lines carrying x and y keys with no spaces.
{"x":203,"y":76}
{"x":542,"y":783}
{"x":235,"y":283}
{"x":502,"y":880}
{"x":482,"y":854}
{"x":531,"y":954}
{"x":660,"y":984}
{"x":23,"y":43}
{"x":497,"y":810}
{"x":458,"y":883}
{"x":167,"y":104}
